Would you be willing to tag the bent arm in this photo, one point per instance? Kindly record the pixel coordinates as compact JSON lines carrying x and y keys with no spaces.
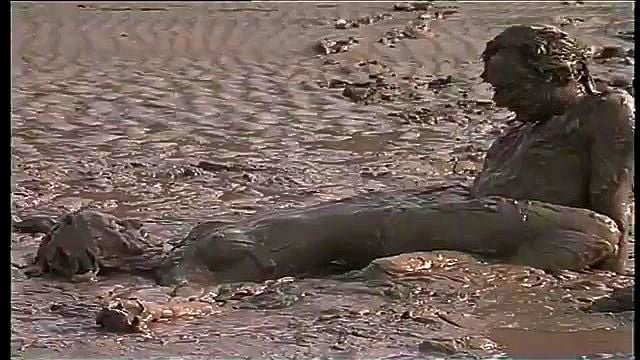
{"x":609,"y":127}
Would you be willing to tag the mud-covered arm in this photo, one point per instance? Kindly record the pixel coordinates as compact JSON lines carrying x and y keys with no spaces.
{"x":609,"y":128}
{"x":501,"y":149}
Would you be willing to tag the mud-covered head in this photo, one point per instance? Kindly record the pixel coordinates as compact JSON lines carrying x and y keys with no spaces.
{"x":537,"y":71}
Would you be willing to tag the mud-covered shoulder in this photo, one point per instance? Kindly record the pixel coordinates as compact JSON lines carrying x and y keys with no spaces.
{"x":612,"y":110}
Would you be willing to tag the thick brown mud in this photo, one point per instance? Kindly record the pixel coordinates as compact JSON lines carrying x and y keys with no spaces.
{"x":182,"y":113}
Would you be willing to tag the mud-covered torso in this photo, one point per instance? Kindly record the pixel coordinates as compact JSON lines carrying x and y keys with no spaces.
{"x":538,"y":161}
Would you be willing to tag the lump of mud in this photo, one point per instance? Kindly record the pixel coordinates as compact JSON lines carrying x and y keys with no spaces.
{"x":420,"y":115}
{"x":366,"y":82}
{"x":440,"y":82}
{"x":616,"y":82}
{"x":457,"y":346}
{"x":413,"y":30}
{"x":330,"y":62}
{"x":34,"y":225}
{"x":620,"y":300}
{"x":414,"y":265}
{"x":430,"y":11}
{"x":626,"y":35}
{"x":129,"y":316}
{"x":364,"y":94}
{"x":610,"y":52}
{"x":565,"y":21}
{"x":334,"y":46}
{"x":365,"y":20}
{"x":440,"y":347}
{"x":413,"y":6}
{"x":373,"y":91}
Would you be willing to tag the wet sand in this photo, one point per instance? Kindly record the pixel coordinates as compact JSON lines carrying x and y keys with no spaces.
{"x":114,"y":104}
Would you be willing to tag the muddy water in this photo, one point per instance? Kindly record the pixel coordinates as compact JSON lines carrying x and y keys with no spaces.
{"x":114,"y":105}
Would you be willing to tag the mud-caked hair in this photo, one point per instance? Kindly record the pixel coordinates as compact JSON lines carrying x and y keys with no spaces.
{"x":552,"y":53}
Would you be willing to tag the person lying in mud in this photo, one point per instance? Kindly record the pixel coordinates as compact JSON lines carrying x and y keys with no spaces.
{"x":541,"y":200}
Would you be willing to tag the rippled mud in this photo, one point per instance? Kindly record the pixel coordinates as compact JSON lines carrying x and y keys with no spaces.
{"x":177,"y":114}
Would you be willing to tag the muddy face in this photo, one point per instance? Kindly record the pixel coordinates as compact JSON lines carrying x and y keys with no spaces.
{"x":519,"y":87}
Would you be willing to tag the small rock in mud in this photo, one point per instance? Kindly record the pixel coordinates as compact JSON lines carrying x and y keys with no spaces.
{"x":329,"y":46}
{"x":413,"y":30}
{"x":440,"y":82}
{"x":413,"y":6}
{"x":575,"y":3}
{"x":365,"y":20}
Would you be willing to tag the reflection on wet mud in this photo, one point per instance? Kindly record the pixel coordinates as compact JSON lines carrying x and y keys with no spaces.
{"x":190,"y":118}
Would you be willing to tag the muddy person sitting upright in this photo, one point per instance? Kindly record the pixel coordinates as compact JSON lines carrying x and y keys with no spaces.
{"x":553,"y":194}
{"x":574,"y":145}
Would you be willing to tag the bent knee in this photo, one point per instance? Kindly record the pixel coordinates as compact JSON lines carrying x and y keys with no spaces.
{"x":566,"y":250}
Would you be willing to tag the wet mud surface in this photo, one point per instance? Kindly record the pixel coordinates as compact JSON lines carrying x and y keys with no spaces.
{"x":178,"y":114}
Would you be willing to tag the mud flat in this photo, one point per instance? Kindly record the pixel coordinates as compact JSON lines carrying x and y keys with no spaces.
{"x":180,"y":114}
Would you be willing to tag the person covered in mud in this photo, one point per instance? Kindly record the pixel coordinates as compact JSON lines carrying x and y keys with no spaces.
{"x":545,"y":198}
{"x":574,"y":145}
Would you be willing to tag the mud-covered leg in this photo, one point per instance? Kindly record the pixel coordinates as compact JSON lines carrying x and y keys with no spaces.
{"x":565,"y":250}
